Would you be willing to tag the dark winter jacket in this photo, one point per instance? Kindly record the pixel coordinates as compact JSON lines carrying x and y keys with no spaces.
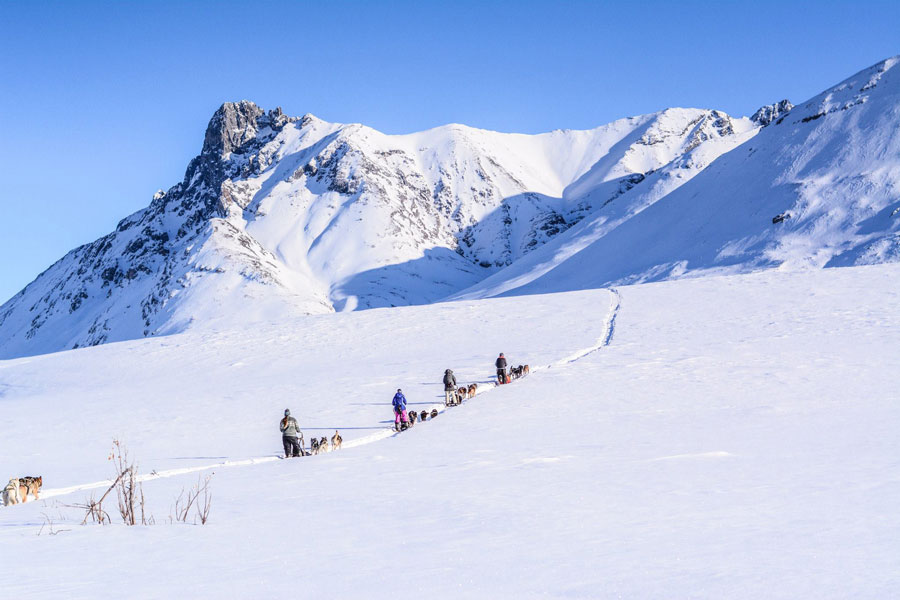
{"x":289,"y":427}
{"x":399,"y":401}
{"x":501,"y":363}
{"x":449,"y":381}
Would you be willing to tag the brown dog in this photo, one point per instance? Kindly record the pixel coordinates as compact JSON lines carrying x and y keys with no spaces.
{"x":461,"y":394}
{"x":472,"y":390}
{"x":30,"y":485}
{"x":336,"y":440}
{"x":434,"y":413}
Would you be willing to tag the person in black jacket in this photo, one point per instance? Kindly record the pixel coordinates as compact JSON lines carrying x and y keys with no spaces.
{"x":501,"y":369}
{"x":449,"y":386}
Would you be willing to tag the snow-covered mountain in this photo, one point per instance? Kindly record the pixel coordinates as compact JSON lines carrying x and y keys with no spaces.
{"x":818,"y":186}
{"x":281,"y":214}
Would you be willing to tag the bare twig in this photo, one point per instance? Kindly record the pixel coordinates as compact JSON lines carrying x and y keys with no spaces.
{"x":129,"y":490}
{"x":192,"y":498}
{"x":48,"y":521}
{"x":205,"y":502}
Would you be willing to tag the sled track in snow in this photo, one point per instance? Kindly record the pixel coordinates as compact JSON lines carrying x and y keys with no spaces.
{"x":602,"y":342}
{"x":608,"y":329}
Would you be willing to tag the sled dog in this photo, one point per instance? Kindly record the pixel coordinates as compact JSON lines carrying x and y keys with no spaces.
{"x":12,"y":493}
{"x":472,"y":389}
{"x":336,"y":440}
{"x":31,"y":485}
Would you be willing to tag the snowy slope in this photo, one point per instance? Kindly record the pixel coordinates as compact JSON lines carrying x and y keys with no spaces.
{"x":830,"y":167}
{"x":727,"y":437}
{"x":284,"y":215}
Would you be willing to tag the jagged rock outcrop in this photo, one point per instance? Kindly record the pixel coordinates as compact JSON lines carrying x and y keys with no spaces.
{"x":771,"y":112}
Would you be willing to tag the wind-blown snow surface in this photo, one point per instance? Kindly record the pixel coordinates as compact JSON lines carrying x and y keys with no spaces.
{"x":735,"y":438}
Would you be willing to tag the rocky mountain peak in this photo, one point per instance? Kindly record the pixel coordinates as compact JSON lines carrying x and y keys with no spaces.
{"x":232,"y":125}
{"x":236,"y":123}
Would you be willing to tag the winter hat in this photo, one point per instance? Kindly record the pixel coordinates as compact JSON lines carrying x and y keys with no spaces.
{"x":501,"y":354}
{"x":287,"y":412}
{"x":399,"y":390}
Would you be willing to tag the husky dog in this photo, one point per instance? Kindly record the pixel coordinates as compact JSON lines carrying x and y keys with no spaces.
{"x":323,"y":444}
{"x":526,"y":370}
{"x":472,"y":390}
{"x":434,"y":413}
{"x":413,"y":417}
{"x":336,"y":440}
{"x":314,"y":446}
{"x":12,"y":493}
{"x":30,"y":485}
{"x":423,"y":416}
{"x":461,"y":394}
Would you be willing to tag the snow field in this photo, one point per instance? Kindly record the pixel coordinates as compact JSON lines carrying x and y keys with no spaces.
{"x":736,"y":438}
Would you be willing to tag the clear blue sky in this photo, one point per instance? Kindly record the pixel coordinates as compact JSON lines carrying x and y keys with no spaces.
{"x":103,"y":103}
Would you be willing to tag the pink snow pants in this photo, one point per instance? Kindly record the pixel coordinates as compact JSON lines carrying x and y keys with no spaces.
{"x":400,"y":414}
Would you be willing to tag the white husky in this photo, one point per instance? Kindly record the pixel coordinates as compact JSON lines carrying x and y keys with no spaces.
{"x":12,"y":493}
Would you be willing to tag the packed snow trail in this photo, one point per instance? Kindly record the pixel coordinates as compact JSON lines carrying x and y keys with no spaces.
{"x":604,"y":340}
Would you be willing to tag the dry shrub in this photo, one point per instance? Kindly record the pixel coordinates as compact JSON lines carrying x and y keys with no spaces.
{"x":198,"y":497}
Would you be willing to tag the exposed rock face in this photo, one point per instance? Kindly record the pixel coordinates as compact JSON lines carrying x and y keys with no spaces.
{"x":296,"y":214}
{"x":771,"y":112}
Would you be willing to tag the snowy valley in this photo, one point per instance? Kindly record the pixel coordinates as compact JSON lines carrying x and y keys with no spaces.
{"x":710,"y":412}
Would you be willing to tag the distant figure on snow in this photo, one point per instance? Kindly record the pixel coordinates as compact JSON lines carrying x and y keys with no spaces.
{"x":449,"y":386}
{"x":501,"y":369}
{"x":401,"y":421}
{"x":289,"y":432}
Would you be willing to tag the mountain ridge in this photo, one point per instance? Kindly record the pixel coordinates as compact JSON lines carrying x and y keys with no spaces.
{"x":281,"y":214}
{"x":815,"y":188}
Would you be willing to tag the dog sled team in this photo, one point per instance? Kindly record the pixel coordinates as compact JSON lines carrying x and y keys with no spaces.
{"x":506,"y":374}
{"x":293,"y":442}
{"x":18,"y":489}
{"x":454,"y":396}
{"x":292,"y":437}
